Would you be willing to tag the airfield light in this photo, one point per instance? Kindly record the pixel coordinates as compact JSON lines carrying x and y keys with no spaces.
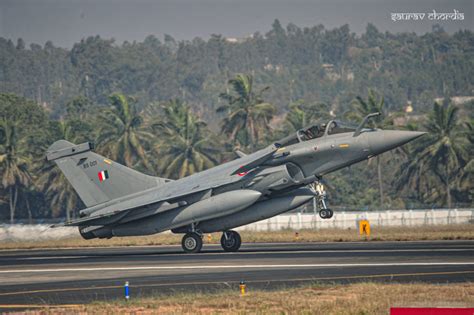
{"x":242,"y":287}
{"x":126,"y":291}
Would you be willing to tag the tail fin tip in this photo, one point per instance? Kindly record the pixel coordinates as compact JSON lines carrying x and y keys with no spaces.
{"x":63,"y":148}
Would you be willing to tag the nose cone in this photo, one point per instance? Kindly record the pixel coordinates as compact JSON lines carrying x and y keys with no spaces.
{"x":385,"y":140}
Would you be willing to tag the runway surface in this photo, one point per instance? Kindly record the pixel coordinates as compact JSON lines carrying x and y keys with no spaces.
{"x":73,"y":276}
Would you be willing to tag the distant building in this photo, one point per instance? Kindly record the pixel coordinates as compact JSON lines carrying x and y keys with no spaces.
{"x":408,"y":108}
{"x":330,"y":72}
{"x":232,"y":40}
{"x":237,"y":40}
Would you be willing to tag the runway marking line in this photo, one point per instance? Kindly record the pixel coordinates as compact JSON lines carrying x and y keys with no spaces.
{"x":412,"y":264}
{"x":243,"y":253}
{"x":250,"y":281}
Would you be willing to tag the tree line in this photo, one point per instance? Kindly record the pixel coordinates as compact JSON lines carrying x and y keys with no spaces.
{"x":331,"y":66}
{"x":170,"y":139}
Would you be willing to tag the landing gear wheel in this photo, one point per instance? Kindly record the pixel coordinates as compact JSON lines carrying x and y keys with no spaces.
{"x":323,"y":213}
{"x":331,"y":213}
{"x":192,"y":243}
{"x":231,"y":241}
{"x":326,"y":213}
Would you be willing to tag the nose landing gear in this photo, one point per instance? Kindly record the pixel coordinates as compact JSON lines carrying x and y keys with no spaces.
{"x":324,"y":212}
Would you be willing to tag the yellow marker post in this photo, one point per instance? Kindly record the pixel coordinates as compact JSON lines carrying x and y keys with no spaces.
{"x":209,"y":237}
{"x":297,"y":236}
{"x":364,"y":227}
{"x":242,"y":287}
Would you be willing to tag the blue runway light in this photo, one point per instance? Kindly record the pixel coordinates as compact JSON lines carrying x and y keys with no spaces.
{"x":126,"y":291}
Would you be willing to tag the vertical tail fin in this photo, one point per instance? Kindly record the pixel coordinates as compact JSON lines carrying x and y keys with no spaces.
{"x":97,"y":179}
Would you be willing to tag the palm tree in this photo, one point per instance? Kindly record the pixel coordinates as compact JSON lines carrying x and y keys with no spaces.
{"x":467,"y":172}
{"x":185,"y":145}
{"x":14,"y":161}
{"x":302,"y":115}
{"x":360,"y":109}
{"x":174,"y":115}
{"x":248,"y":114}
{"x":60,"y":193}
{"x":121,"y":135}
{"x":443,"y":156}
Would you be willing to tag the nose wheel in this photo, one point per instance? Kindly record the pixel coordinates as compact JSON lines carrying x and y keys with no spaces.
{"x":192,"y":242}
{"x":231,"y":241}
{"x":324,"y":212}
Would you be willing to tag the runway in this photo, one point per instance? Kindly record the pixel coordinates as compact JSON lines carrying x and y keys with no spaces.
{"x":76,"y":276}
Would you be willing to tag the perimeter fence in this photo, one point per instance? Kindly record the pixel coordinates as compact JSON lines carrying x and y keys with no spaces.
{"x":350,"y":219}
{"x":294,"y":221}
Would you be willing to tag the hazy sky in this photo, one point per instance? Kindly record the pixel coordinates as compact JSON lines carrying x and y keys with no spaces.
{"x":67,"y":21}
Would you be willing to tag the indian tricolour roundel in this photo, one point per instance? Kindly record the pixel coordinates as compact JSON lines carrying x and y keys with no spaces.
{"x":103,"y":175}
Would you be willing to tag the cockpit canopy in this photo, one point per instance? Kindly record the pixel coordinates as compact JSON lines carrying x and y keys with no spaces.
{"x":337,"y":126}
{"x":318,"y":131}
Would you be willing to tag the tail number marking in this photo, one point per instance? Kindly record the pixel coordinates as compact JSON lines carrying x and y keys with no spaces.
{"x":90,"y":164}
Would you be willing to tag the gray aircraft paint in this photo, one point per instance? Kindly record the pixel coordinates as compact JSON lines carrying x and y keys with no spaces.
{"x":259,"y":211}
{"x":223,"y":204}
{"x":250,"y":188}
{"x":81,"y":168}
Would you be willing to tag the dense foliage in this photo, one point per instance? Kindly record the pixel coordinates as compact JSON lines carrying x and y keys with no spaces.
{"x":172,"y":108}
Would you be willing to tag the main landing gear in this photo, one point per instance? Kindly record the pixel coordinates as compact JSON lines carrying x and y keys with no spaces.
{"x":324,"y":212}
{"x":231,"y":241}
{"x":192,"y":241}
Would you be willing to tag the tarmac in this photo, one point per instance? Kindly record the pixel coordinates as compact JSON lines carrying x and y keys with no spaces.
{"x":38,"y":277}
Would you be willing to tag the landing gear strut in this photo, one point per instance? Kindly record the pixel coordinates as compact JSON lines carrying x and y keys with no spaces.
{"x":324,"y":212}
{"x":192,"y":242}
{"x":231,"y":241}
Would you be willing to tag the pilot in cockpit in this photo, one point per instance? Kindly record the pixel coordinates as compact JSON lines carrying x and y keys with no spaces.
{"x":321,"y":131}
{"x":313,"y":132}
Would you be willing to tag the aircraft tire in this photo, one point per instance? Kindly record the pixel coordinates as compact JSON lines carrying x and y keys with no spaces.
{"x":232,"y":244}
{"x":191,"y":243}
{"x":331,"y":213}
{"x":324,"y":213}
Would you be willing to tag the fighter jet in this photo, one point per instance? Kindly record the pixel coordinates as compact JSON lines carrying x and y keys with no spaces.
{"x":283,"y":176}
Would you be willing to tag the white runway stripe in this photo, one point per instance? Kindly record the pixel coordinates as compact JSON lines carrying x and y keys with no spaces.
{"x":52,"y":257}
{"x":279,"y":252}
{"x":261,"y":266}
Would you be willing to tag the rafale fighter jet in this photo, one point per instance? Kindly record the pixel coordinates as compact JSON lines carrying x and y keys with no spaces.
{"x":123,"y":202}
